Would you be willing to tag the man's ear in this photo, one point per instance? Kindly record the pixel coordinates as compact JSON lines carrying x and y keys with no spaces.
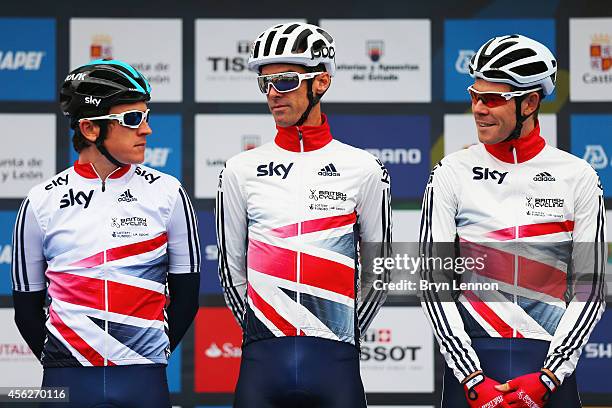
{"x":530,"y":103}
{"x":90,"y":130}
{"x":322,"y":83}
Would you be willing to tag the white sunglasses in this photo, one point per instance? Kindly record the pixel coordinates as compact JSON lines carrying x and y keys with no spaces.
{"x":132,"y":118}
{"x":283,"y":81}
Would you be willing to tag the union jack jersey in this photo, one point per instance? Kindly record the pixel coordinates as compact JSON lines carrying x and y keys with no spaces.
{"x":291,"y":216}
{"x":538,"y":213}
{"x":102,"y":250}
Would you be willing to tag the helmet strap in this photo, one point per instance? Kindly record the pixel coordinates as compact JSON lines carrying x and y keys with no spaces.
{"x":520,"y":119}
{"x":100,"y":144}
{"x":312,"y":101}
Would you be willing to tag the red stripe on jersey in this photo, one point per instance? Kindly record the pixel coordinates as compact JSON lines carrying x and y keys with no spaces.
{"x":328,"y":223}
{"x":286,"y":231}
{"x":501,"y":235}
{"x":498,"y":264}
{"x":77,"y":290}
{"x":546,"y":228}
{"x":490,"y":316}
{"x":136,"y":248}
{"x":124,"y":251}
{"x":277,"y":320}
{"x":89,"y":292}
{"x":531,"y":230}
{"x":541,"y":278}
{"x":272,"y":260}
{"x":328,"y":275}
{"x":133,"y":301}
{"x":75,"y":340}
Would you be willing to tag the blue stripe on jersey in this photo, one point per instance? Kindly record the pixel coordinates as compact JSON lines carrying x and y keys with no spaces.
{"x":336,"y":316}
{"x":343,"y":245}
{"x":547,"y":316}
{"x":148,"y":342}
{"x":155,"y":270}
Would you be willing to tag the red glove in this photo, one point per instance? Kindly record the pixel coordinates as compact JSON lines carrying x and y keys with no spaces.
{"x":529,"y":390}
{"x":480,"y":392}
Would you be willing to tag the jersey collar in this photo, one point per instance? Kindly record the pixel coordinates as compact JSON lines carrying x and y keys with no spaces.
{"x":527,"y":147}
{"x":86,"y":170}
{"x":314,"y":137}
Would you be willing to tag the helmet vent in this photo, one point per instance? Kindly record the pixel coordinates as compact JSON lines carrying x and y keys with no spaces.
{"x":256,"y":49}
{"x":301,"y":42}
{"x":290,"y":29}
{"x":534,"y":68}
{"x":514,"y":56}
{"x":324,"y":34}
{"x":269,"y":40}
{"x":281,"y":46}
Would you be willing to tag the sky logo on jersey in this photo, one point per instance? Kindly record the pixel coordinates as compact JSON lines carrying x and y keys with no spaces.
{"x":27,"y":59}
{"x":164,"y":145}
{"x":462,"y":38}
{"x":209,"y":275}
{"x":588,"y":141}
{"x":400,"y":142}
{"x":7,"y":220}
{"x":596,"y":358}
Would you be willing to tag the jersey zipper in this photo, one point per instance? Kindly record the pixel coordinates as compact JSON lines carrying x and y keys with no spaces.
{"x":299,"y":233}
{"x":106,"y":310}
{"x":516,"y":237}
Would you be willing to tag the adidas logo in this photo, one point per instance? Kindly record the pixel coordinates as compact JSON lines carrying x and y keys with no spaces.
{"x":329,"y":170}
{"x":544,"y":176}
{"x":127,"y":197}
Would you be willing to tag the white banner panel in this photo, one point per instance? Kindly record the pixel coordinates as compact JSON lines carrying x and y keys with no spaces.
{"x":222,"y":49}
{"x":460,"y":130}
{"x":18,"y":365}
{"x":397,"y":353}
{"x":380,"y":60}
{"x":406,"y":224}
{"x":152,"y":46}
{"x":219,"y":137}
{"x":27,"y":156}
{"x":590,"y":59}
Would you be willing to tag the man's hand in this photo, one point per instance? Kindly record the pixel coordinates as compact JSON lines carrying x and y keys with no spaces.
{"x":480,"y":392}
{"x":529,"y":390}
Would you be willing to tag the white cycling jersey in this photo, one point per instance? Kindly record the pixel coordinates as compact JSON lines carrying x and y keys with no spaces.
{"x":291,"y":215}
{"x":539,"y":212}
{"x":103,"y":250}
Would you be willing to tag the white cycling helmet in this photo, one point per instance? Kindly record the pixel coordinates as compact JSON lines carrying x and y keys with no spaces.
{"x":294,"y":43}
{"x":515,"y":60}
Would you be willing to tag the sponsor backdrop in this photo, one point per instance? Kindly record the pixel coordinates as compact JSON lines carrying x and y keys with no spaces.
{"x":399,"y":92}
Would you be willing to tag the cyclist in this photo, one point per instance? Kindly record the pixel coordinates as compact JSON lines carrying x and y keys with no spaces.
{"x":539,"y":212}
{"x":110,"y":242}
{"x":292,"y":216}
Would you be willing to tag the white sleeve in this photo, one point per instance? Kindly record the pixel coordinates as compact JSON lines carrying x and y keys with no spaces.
{"x":438,"y":231}
{"x":183,"y":240}
{"x":231,"y":224}
{"x":29,"y":263}
{"x":374,"y":219}
{"x":589,"y":259}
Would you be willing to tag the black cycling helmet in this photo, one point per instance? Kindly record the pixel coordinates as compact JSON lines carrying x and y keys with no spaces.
{"x":92,"y":89}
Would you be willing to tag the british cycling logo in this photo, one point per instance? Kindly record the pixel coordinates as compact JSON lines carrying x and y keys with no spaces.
{"x":272,"y":170}
{"x":484,"y":173}
{"x":536,"y":205}
{"x":59,"y":181}
{"x":596,"y":156}
{"x":128,"y":222}
{"x":147,"y":175}
{"x":80,"y":198}
{"x":317,"y":195}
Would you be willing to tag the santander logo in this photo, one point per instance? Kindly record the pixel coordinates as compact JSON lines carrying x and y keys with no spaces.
{"x":227,"y":350}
